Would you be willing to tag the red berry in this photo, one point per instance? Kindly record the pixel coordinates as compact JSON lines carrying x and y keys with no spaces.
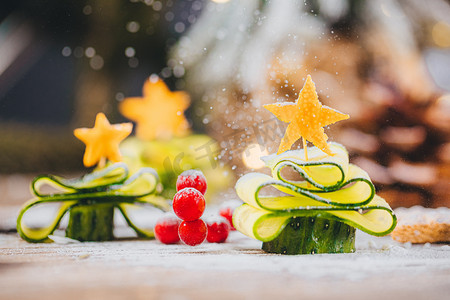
{"x":227,"y":213}
{"x":189,"y":204}
{"x":166,"y":229}
{"x":227,"y":209}
{"x":218,"y":229}
{"x":192,"y":178}
{"x":192,"y":233}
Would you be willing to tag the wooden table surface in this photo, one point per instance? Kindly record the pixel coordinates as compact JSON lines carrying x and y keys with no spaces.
{"x":136,"y":269}
{"x":238,"y":269}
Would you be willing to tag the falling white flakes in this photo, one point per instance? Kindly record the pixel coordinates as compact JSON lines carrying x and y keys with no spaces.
{"x":166,"y":72}
{"x":172,"y":63}
{"x":78,"y":52}
{"x":133,"y":62}
{"x":157,"y":6}
{"x":66,"y":51}
{"x":178,"y":71}
{"x":179,"y":27}
{"x":133,"y":26}
{"x":169,"y":16}
{"x":191,"y":19}
{"x":96,"y":62}
{"x":120,"y":96}
{"x":154,"y":78}
{"x":89,"y":52}
{"x":87,"y":10}
{"x":148,"y":2}
{"x":130,"y":52}
{"x":199,"y":111}
{"x":197,"y":5}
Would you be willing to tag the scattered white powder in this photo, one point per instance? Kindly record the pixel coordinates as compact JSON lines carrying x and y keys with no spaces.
{"x":233,"y":203}
{"x":420,"y":215}
{"x":374,"y":256}
{"x":192,"y":173}
{"x":214,"y":218}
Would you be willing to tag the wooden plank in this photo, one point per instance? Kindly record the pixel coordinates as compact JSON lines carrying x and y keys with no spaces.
{"x":238,"y":269}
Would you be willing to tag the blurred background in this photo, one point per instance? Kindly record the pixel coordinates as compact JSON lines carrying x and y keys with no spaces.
{"x":386,"y":63}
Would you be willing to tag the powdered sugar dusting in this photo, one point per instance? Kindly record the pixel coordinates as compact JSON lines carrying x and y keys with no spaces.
{"x":374,"y":256}
{"x":168,"y":218}
{"x":214,"y":218}
{"x":232,"y":204}
{"x":192,"y":173}
{"x":420,"y":215}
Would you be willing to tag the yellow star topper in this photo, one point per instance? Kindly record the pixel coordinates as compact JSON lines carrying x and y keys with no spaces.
{"x":306,"y":118}
{"x":159,"y":113}
{"x":102,"y":141}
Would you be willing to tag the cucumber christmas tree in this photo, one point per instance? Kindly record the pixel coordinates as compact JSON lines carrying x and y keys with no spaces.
{"x":319,"y":212}
{"x":92,"y":199}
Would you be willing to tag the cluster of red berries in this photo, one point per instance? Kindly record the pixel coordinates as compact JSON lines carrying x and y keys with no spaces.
{"x":189,"y":205}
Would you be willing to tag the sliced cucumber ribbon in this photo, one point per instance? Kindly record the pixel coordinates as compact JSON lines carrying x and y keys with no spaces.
{"x":330,"y":188}
{"x":109,"y":185}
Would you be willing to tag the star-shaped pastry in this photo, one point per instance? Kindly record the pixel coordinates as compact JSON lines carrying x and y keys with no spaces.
{"x":306,"y":118}
{"x":102,"y":141}
{"x":159,"y":113}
